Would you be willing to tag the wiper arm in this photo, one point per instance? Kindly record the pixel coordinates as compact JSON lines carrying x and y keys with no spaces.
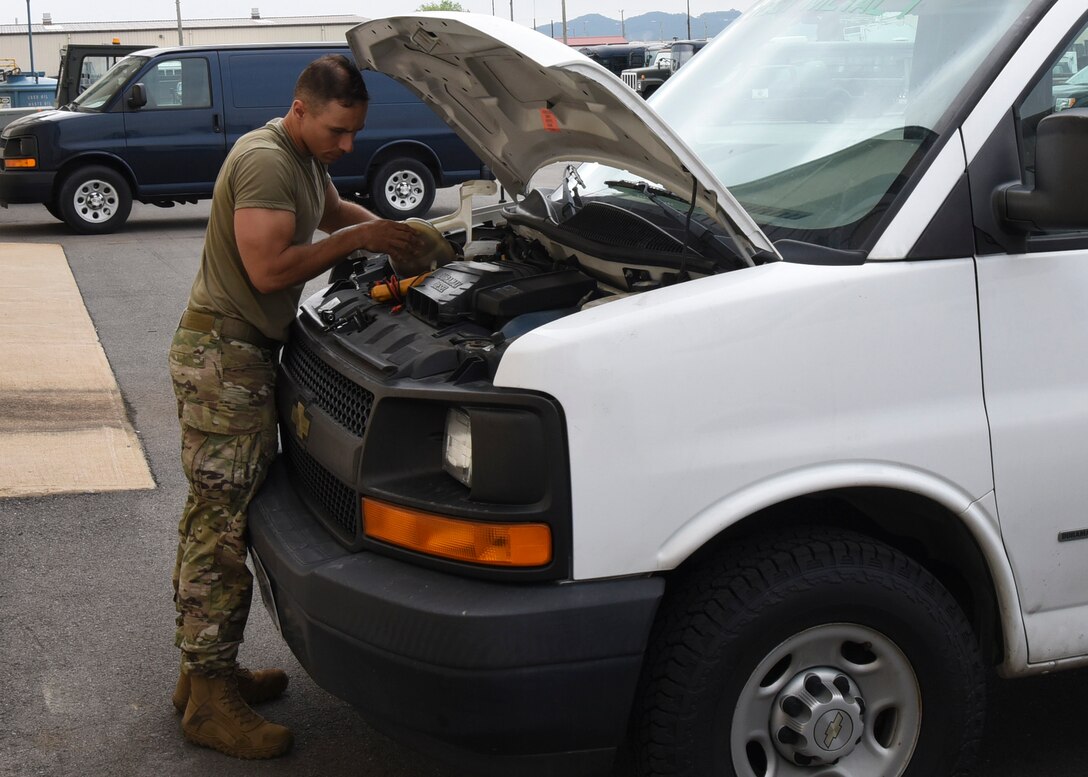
{"x":651,"y":192}
{"x":654,"y":194}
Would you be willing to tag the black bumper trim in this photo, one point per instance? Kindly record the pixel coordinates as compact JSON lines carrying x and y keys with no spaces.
{"x":478,"y":672}
{"x":21,"y":187}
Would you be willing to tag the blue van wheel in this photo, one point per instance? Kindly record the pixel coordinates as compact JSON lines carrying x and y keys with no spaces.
{"x":402,"y":188}
{"x":94,"y":200}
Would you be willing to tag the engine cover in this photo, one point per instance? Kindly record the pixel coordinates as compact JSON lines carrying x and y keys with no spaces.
{"x":492,"y":292}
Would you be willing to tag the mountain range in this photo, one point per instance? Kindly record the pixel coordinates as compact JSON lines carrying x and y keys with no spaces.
{"x":655,"y":25}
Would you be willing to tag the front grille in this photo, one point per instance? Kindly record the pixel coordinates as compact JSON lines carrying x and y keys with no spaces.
{"x":347,"y":403}
{"x":631,"y":79}
{"x":339,"y":503}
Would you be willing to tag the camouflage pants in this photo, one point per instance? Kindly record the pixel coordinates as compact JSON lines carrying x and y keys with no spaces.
{"x":224,"y":390}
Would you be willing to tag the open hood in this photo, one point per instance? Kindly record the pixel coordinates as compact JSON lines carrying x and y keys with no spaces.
{"x":522,"y":101}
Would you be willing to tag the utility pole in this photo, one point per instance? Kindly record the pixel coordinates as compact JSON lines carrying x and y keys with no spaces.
{"x":181,"y":40}
{"x":564,"y":20}
{"x":30,"y":40}
{"x":511,"y":10}
{"x":689,"y":18}
{"x":623,"y":30}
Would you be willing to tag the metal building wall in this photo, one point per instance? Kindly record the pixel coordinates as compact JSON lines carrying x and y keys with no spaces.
{"x":48,"y":42}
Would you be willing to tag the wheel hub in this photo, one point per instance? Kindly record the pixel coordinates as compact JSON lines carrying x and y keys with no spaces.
{"x":818,"y":717}
{"x":94,"y":201}
{"x":404,"y":190}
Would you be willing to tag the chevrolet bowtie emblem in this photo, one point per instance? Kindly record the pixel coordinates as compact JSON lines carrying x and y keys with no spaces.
{"x":833,"y":731}
{"x":300,"y":420}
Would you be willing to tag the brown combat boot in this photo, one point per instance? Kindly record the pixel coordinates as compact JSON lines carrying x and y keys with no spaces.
{"x":217,"y":717}
{"x":255,"y":687}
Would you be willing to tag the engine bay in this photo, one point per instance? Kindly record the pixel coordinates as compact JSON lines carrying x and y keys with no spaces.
{"x":543,"y":260}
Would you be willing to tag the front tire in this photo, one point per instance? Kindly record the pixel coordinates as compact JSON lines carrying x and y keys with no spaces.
{"x":402,"y":188}
{"x":814,"y":652}
{"x":94,"y":200}
{"x":54,"y":211}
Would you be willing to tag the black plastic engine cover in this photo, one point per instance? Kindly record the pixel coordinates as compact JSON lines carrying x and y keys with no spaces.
{"x":448,"y":294}
{"x":549,"y":291}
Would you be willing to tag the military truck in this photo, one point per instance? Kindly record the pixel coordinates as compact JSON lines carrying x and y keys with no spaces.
{"x":647,"y":80}
{"x":83,"y":64}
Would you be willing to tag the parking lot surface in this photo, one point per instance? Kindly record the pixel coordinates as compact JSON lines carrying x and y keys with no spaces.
{"x":87,"y":662}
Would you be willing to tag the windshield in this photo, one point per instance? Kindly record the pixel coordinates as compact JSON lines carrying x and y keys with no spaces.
{"x":103,"y":90}
{"x":814,"y":117}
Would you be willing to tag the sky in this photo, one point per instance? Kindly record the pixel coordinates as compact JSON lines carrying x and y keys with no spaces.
{"x":525,"y":11}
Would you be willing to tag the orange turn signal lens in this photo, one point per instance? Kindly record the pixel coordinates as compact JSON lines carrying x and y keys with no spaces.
{"x":20,"y":164}
{"x":477,"y":542}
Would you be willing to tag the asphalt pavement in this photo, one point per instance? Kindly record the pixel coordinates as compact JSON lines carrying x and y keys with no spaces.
{"x":87,"y":661}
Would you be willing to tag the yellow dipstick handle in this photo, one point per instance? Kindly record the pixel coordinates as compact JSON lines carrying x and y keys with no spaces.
{"x":380,"y":292}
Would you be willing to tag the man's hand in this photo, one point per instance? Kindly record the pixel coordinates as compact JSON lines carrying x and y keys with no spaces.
{"x":382,"y":236}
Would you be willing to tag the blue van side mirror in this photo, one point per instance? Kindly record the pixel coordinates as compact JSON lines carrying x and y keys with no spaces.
{"x":137,"y":96}
{"x":1058,"y":200}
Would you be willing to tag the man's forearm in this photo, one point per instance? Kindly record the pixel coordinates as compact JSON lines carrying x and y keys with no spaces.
{"x":301,"y":263}
{"x":272,"y":263}
{"x":349,"y":213}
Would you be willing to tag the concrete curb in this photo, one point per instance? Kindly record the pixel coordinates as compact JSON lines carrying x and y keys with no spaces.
{"x":63,"y":427}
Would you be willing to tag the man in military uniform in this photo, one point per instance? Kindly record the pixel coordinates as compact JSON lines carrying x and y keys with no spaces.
{"x":272,"y":192}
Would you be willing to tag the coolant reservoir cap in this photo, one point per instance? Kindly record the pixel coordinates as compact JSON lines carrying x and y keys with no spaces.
{"x":435,"y":251}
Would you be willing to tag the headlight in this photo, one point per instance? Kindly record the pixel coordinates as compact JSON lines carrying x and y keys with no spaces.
{"x":457,"y":455}
{"x":1063,"y":103}
{"x":21,"y":153}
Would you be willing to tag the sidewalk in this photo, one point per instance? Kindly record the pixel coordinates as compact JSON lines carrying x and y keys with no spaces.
{"x":63,"y":426}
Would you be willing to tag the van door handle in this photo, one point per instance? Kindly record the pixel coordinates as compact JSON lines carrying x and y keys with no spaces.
{"x":215,"y":122}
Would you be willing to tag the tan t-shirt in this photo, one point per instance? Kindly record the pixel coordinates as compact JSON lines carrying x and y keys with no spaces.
{"x":263,"y":170}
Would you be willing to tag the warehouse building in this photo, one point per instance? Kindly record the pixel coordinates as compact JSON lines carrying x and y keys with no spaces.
{"x":51,"y":36}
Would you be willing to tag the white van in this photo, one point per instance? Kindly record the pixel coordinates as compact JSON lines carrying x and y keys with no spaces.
{"x":752,"y":448}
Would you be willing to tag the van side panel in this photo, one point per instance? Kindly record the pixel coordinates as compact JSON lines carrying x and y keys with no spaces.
{"x":174,"y":143}
{"x":259,"y":85}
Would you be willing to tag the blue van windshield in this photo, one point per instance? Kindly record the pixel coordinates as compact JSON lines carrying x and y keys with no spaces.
{"x":102,"y":91}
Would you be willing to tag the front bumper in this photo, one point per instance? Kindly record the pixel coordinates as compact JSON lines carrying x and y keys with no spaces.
{"x":17,"y":187}
{"x":499,"y":678}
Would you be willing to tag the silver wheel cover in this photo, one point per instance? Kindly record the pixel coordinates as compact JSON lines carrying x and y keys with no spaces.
{"x":404,"y":190}
{"x":95,"y":201}
{"x":838,"y":700}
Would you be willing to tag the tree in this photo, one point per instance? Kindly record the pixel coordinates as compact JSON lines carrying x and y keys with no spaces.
{"x":441,"y":5}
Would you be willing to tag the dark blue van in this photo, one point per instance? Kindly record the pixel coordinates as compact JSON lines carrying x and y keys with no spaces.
{"x":158,"y":125}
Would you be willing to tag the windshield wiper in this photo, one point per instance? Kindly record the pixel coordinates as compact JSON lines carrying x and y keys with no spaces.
{"x":651,"y":192}
{"x":654,"y":194}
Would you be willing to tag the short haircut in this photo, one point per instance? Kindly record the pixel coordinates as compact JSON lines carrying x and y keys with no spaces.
{"x":331,"y":77}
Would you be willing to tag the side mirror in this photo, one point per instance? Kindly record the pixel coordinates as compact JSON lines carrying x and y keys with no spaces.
{"x":1059,"y":200}
{"x":137,"y":96}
